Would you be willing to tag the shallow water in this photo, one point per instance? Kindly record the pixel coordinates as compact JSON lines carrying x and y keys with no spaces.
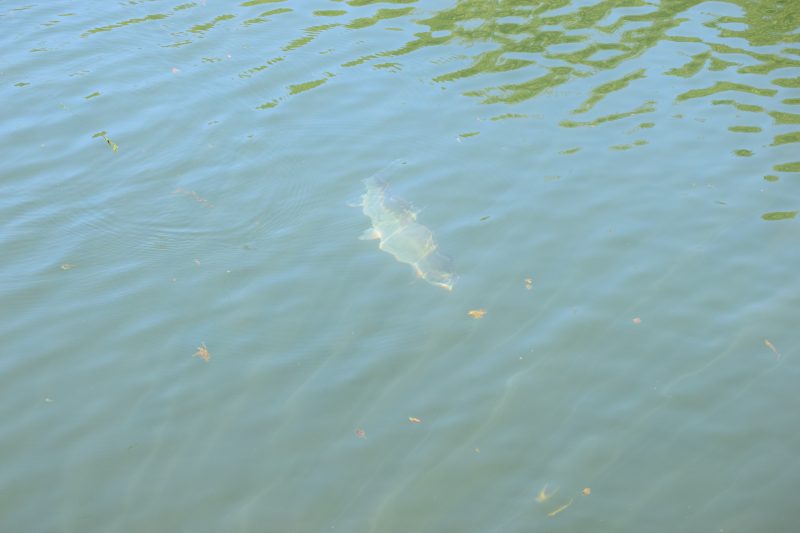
{"x":617,"y":183}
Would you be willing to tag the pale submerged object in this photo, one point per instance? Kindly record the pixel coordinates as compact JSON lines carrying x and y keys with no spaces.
{"x":394,"y":222}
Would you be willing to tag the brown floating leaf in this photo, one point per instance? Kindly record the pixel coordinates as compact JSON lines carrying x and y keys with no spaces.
{"x":529,"y":283}
{"x":586,"y":491}
{"x":637,"y":320}
{"x":477,"y":313}
{"x":414,"y":419}
{"x":202,"y":352}
{"x":361,"y":434}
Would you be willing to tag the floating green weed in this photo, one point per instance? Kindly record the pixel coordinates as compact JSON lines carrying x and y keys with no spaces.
{"x":108,"y":141}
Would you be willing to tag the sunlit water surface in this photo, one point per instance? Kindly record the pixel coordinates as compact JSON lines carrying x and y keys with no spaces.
{"x":616,"y":184}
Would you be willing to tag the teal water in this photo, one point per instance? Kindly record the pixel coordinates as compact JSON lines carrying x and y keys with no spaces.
{"x":615,"y":182}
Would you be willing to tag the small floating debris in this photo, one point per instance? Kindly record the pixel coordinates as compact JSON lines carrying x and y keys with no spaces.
{"x":586,"y":491}
{"x":559,"y":509}
{"x":544,"y":495}
{"x":194,"y":196}
{"x":637,"y":320}
{"x":414,"y":419}
{"x":772,"y":348}
{"x":529,"y":283}
{"x":360,"y":433}
{"x":108,"y":141}
{"x":202,"y":352}
{"x":67,"y":266}
{"x":476,"y":313}
{"x":111,"y":143}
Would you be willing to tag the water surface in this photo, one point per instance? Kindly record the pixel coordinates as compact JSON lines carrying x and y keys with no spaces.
{"x":616,"y":182}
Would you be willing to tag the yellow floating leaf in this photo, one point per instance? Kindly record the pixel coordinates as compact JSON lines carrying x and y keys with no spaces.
{"x":202,"y":352}
{"x":586,"y":491}
{"x":559,"y":509}
{"x":477,"y":313}
{"x":414,"y":419}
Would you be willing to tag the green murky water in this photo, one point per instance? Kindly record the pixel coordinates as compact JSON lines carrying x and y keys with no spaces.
{"x":195,"y":339}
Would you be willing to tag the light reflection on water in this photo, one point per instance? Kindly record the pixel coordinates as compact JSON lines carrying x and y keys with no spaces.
{"x":516,"y":52}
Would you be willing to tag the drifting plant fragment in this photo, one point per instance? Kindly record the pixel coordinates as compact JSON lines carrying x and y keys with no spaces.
{"x":477,"y":313}
{"x":202,"y":352}
{"x":194,"y":196}
{"x":559,"y":509}
{"x":772,"y":347}
{"x":111,"y":143}
{"x":108,"y":141}
{"x":543,"y":495}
